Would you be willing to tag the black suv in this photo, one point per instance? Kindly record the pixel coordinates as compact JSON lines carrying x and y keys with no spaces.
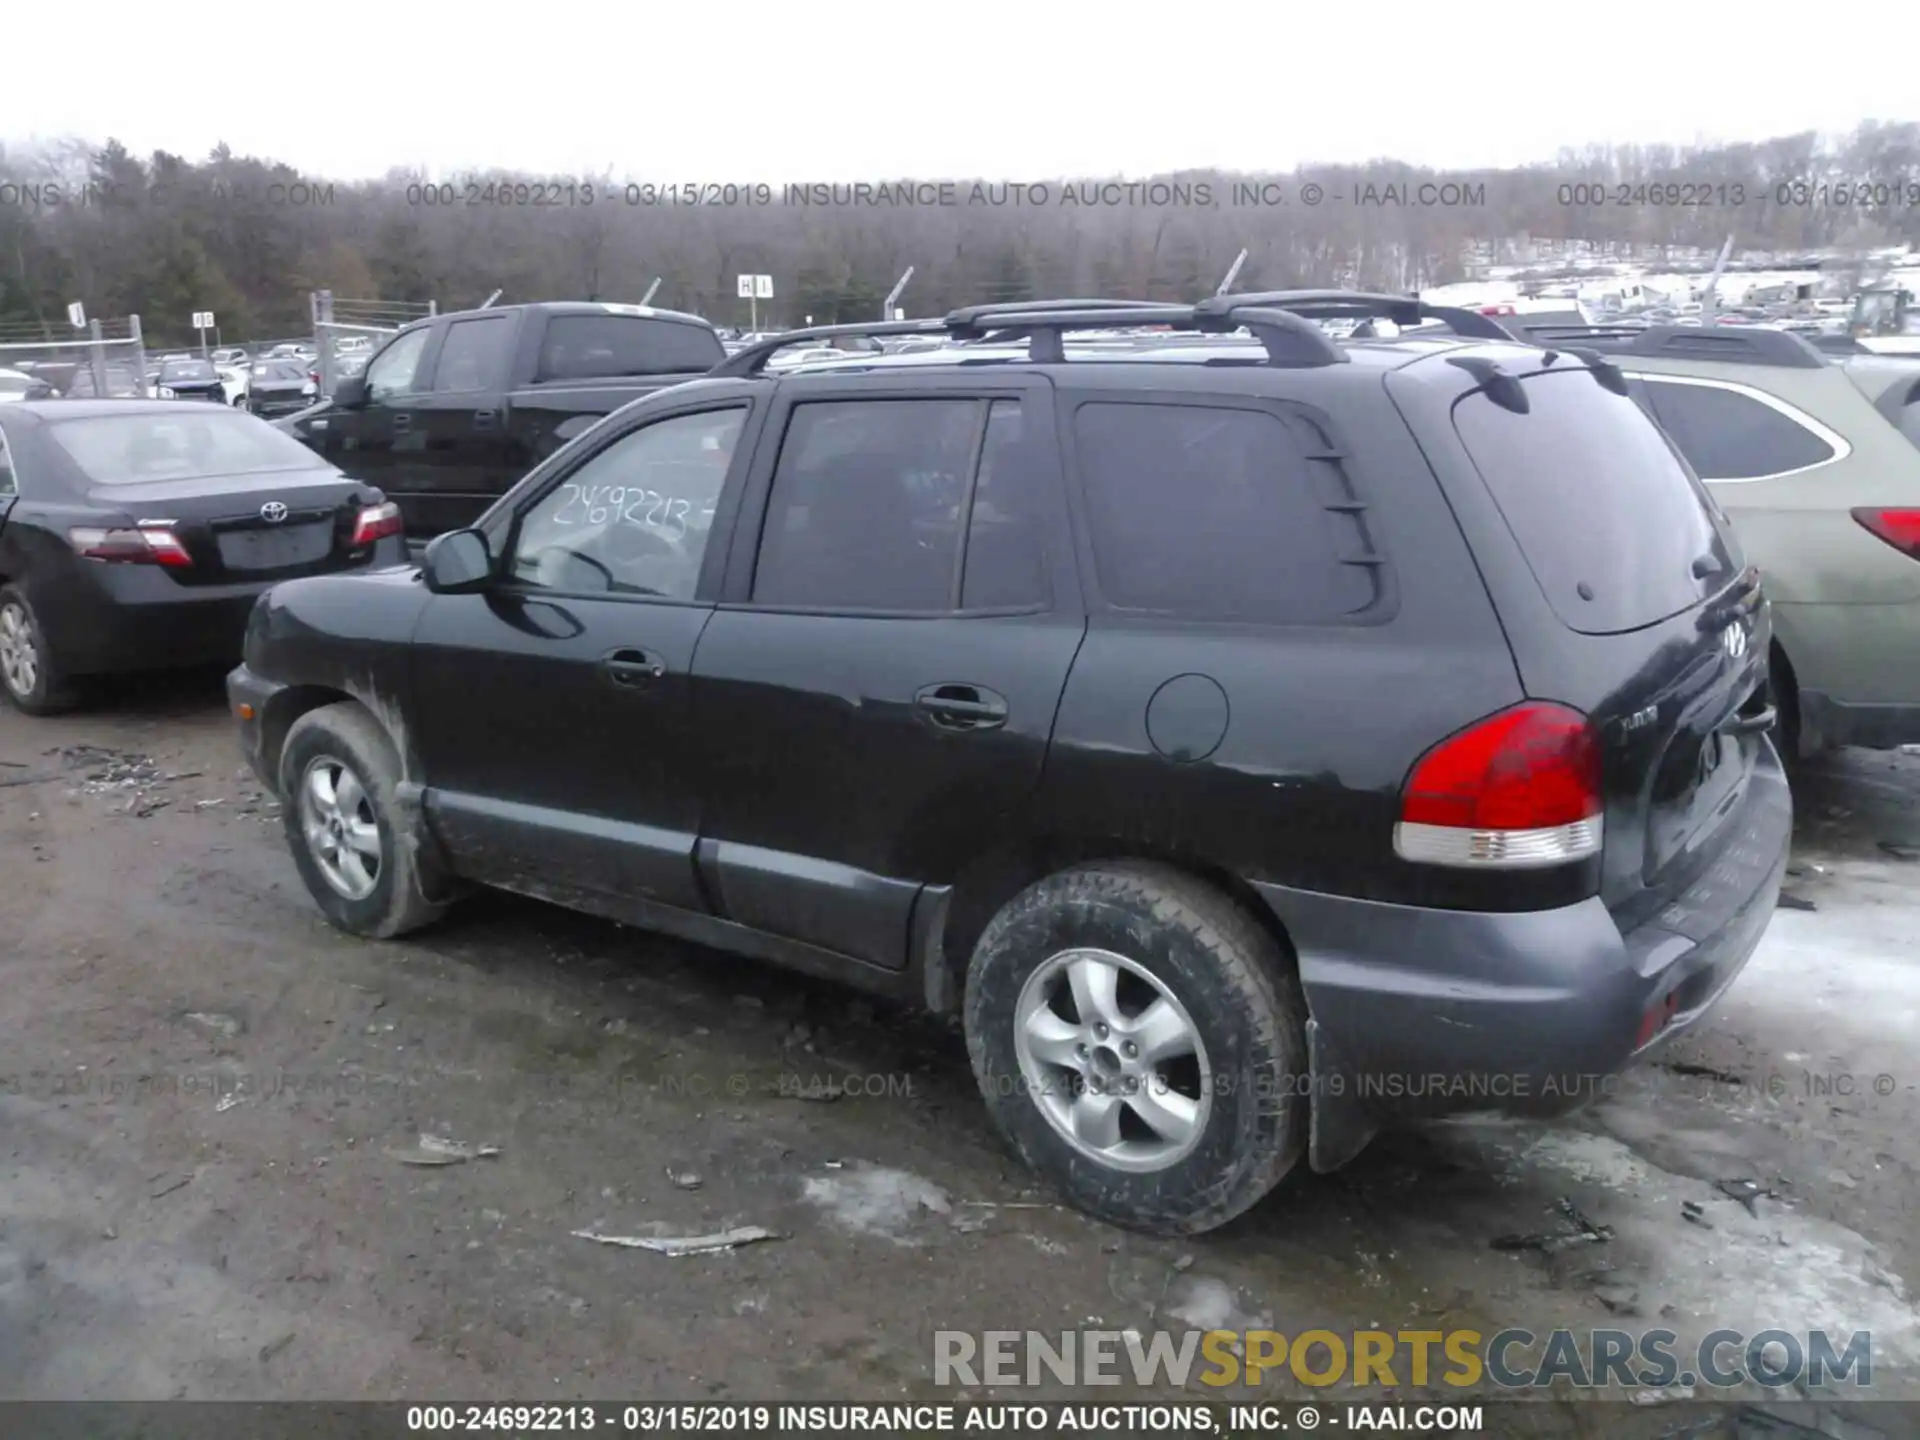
{"x":1257,"y":739}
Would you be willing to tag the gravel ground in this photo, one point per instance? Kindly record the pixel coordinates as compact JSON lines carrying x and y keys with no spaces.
{"x":211,"y":1108}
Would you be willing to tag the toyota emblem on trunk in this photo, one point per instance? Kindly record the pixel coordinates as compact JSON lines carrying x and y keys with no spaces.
{"x":273,"y":512}
{"x":1734,"y":639}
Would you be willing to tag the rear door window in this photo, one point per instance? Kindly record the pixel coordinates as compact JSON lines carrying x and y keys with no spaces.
{"x":865,"y":512}
{"x":1608,"y":518}
{"x":1005,"y":564}
{"x":473,"y":356}
{"x":1730,"y":434}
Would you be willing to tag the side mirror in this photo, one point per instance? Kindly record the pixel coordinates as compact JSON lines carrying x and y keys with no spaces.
{"x":351,"y":393}
{"x":457,"y":563}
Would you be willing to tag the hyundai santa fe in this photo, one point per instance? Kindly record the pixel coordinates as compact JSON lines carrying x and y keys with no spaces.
{"x":1254,"y":741}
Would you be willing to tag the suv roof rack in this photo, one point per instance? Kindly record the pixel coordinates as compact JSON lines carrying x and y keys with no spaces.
{"x":1728,"y":344}
{"x":1281,"y":320}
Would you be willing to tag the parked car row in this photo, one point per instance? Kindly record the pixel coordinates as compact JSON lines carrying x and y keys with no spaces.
{"x":1229,"y":723}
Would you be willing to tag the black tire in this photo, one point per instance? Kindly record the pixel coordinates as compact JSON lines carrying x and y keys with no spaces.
{"x":1786,"y":701}
{"x":1244,"y":999}
{"x":52,"y":690}
{"x":346,"y":735}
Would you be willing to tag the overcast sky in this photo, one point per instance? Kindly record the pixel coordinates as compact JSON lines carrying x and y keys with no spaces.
{"x":810,"y":89}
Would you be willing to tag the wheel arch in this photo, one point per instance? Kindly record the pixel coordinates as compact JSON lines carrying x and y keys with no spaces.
{"x":1787,"y":699}
{"x":283,"y":709}
{"x":986,"y":884}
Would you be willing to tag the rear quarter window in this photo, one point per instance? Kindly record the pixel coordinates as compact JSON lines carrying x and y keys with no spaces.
{"x":1609,"y":520}
{"x":1214,"y":513}
{"x":1729,"y":434}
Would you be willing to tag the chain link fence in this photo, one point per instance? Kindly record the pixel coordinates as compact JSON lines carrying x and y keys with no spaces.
{"x":103,"y":358}
{"x":347,"y":332}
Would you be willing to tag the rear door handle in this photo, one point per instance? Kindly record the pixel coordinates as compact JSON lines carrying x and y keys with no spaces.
{"x":962,"y":707}
{"x":483,"y":419}
{"x":402,"y":421}
{"x":631,"y":669}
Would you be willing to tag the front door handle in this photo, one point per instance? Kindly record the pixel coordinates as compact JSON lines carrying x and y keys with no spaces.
{"x":402,"y":421}
{"x":962,"y":707}
{"x":483,"y":419}
{"x":631,"y":669}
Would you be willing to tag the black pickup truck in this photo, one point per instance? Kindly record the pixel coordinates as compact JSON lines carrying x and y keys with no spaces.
{"x":451,"y":411}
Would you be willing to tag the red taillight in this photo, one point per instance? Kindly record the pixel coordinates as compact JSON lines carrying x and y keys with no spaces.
{"x":1498,"y":310}
{"x":1899,"y":528}
{"x":148,"y":545}
{"x":376,"y":522}
{"x":1520,"y":788}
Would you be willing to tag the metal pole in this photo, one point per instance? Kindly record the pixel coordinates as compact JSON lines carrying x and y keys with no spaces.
{"x":139,"y":348}
{"x":97,"y":358}
{"x":487,"y":304}
{"x":323,"y":338}
{"x":647,"y":299}
{"x":753,"y":313}
{"x":433,"y":309}
{"x":893,"y":295}
{"x":1709,"y":301}
{"x":1233,"y":273}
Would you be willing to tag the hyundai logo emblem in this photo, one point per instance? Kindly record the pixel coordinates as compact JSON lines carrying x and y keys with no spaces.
{"x":273,"y":512}
{"x":1734,"y":640}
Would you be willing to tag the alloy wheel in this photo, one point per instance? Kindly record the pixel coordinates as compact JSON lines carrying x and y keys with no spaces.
{"x":1113,"y":1060}
{"x":19,"y":650}
{"x":342,"y":834}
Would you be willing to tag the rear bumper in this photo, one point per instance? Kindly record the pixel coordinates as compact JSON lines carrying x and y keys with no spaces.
{"x":131,"y":623}
{"x":1827,"y":721}
{"x":1857,"y":668}
{"x":110,"y":619}
{"x":1418,"y":1014}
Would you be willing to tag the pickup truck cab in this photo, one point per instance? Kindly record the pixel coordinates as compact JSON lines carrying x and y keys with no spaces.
{"x":451,"y":411}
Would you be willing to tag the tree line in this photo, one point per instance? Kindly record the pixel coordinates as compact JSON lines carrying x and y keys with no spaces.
{"x":247,"y":238}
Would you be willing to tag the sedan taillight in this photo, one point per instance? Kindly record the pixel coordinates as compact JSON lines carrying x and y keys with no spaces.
{"x":376,"y":522}
{"x":147,"y":545}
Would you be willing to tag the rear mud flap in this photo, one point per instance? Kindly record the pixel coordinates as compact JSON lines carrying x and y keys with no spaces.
{"x":1341,"y":1127}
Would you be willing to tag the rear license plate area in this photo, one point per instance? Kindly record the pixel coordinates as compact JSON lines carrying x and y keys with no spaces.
{"x":1746,"y":859}
{"x":278,"y":549}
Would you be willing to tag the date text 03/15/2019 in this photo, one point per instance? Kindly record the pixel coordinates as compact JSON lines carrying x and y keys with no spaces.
{"x":718,"y":1418}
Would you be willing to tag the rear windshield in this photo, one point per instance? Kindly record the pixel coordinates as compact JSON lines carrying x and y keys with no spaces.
{"x":582,"y":347}
{"x":1609,"y":518}
{"x":187,"y":370}
{"x":212,"y":440}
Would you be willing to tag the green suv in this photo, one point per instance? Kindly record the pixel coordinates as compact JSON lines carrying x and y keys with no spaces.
{"x":1816,"y":459}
